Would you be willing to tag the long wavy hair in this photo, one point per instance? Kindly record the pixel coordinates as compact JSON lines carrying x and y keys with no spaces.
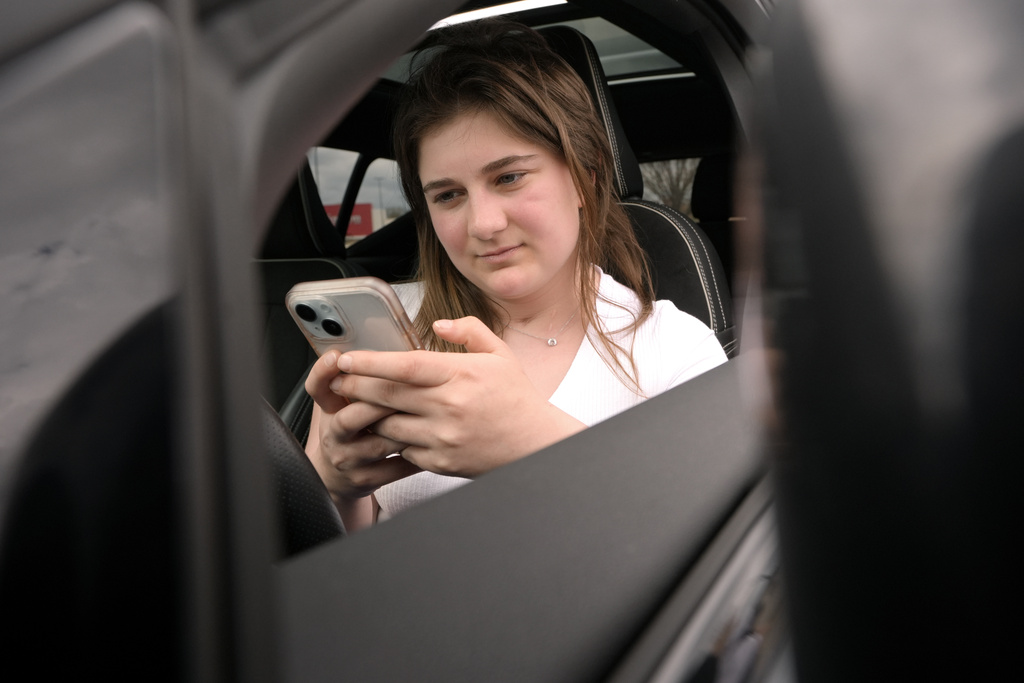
{"x":508,"y":71}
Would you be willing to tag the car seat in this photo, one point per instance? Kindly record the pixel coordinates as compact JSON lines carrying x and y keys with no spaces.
{"x":712,"y":206}
{"x":301,"y":227}
{"x":684,"y":264}
{"x":301,"y":245}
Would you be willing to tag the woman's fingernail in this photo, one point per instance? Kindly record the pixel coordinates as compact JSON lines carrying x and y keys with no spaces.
{"x":336,"y":384}
{"x":442,"y":324}
{"x":344,"y":363}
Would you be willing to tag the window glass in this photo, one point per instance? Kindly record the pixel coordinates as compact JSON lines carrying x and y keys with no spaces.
{"x":382,"y":191}
{"x":670,"y":183}
{"x":623,"y":55}
{"x":332,"y":169}
{"x":379,"y":201}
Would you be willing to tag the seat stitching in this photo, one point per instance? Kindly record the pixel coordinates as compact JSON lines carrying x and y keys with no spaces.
{"x":693,"y":255}
{"x":729,"y":346}
{"x":682,"y":220}
{"x":679,"y":221}
{"x":606,"y":114}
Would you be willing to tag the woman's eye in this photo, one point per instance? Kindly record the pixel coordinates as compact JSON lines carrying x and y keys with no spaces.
{"x":445,"y":197}
{"x":510,"y":178}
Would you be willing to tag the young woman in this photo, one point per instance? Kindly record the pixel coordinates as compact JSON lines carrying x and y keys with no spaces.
{"x":509,"y":174}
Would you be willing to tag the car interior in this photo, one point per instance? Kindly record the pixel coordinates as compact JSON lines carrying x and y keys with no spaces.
{"x":220,"y":515}
{"x":837,"y":502}
{"x":282,"y":512}
{"x":304,"y":244}
{"x":687,"y":269}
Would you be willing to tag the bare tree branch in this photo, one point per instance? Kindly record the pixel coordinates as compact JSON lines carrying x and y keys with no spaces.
{"x":670,"y":182}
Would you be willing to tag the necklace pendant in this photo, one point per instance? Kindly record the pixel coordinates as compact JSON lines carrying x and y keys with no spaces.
{"x":552,"y":341}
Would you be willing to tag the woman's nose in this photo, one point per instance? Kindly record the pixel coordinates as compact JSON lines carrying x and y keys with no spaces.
{"x":486,"y":216}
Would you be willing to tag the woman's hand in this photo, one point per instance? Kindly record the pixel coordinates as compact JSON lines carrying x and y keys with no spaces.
{"x":458,"y":414}
{"x":351,"y":459}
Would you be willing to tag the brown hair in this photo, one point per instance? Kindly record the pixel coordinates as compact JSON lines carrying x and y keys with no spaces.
{"x":508,"y":71}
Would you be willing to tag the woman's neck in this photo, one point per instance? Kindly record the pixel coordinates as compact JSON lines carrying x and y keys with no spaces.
{"x":546,"y":310}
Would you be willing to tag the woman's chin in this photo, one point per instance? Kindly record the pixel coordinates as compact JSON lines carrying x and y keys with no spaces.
{"x":507,"y":286}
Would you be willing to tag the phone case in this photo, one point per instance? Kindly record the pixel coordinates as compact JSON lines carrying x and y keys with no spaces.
{"x":351,"y":314}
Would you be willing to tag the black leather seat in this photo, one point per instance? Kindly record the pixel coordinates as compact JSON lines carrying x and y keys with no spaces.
{"x":390,"y":253}
{"x":285,"y":352}
{"x":685,"y":266}
{"x":302,"y":245}
{"x":712,"y":206}
{"x":301,"y":227}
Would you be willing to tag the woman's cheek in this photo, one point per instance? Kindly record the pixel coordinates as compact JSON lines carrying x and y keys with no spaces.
{"x":448,"y":233}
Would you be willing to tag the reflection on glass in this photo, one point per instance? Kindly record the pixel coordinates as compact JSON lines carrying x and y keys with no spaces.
{"x":738,"y":633}
{"x":746,"y":646}
{"x":623,"y":54}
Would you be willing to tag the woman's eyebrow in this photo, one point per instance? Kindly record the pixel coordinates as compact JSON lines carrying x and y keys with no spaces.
{"x":505,"y":162}
{"x":489,"y":168}
{"x":435,"y":184}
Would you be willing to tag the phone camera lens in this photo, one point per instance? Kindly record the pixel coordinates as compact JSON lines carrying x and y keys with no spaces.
{"x":306,"y":313}
{"x":332,"y":327}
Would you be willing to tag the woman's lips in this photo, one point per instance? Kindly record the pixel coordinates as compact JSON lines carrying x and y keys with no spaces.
{"x":498,"y":256}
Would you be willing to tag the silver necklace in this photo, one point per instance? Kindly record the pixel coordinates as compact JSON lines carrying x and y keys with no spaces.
{"x":552,"y":341}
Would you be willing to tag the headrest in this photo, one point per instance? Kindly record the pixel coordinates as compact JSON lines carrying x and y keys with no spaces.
{"x":329,"y":240}
{"x":301,"y":228}
{"x":576,"y":49}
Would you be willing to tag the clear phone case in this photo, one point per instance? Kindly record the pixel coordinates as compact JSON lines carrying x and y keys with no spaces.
{"x":351,"y":314}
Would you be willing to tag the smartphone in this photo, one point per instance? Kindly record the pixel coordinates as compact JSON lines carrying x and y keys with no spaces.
{"x":351,"y":314}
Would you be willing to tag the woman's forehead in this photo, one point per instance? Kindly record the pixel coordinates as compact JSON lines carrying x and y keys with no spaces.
{"x":472,"y":138}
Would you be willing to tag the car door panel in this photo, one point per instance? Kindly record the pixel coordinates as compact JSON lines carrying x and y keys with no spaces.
{"x":543,"y":570}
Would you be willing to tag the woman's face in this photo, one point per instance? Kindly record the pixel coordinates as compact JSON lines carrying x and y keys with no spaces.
{"x":505,"y":210}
